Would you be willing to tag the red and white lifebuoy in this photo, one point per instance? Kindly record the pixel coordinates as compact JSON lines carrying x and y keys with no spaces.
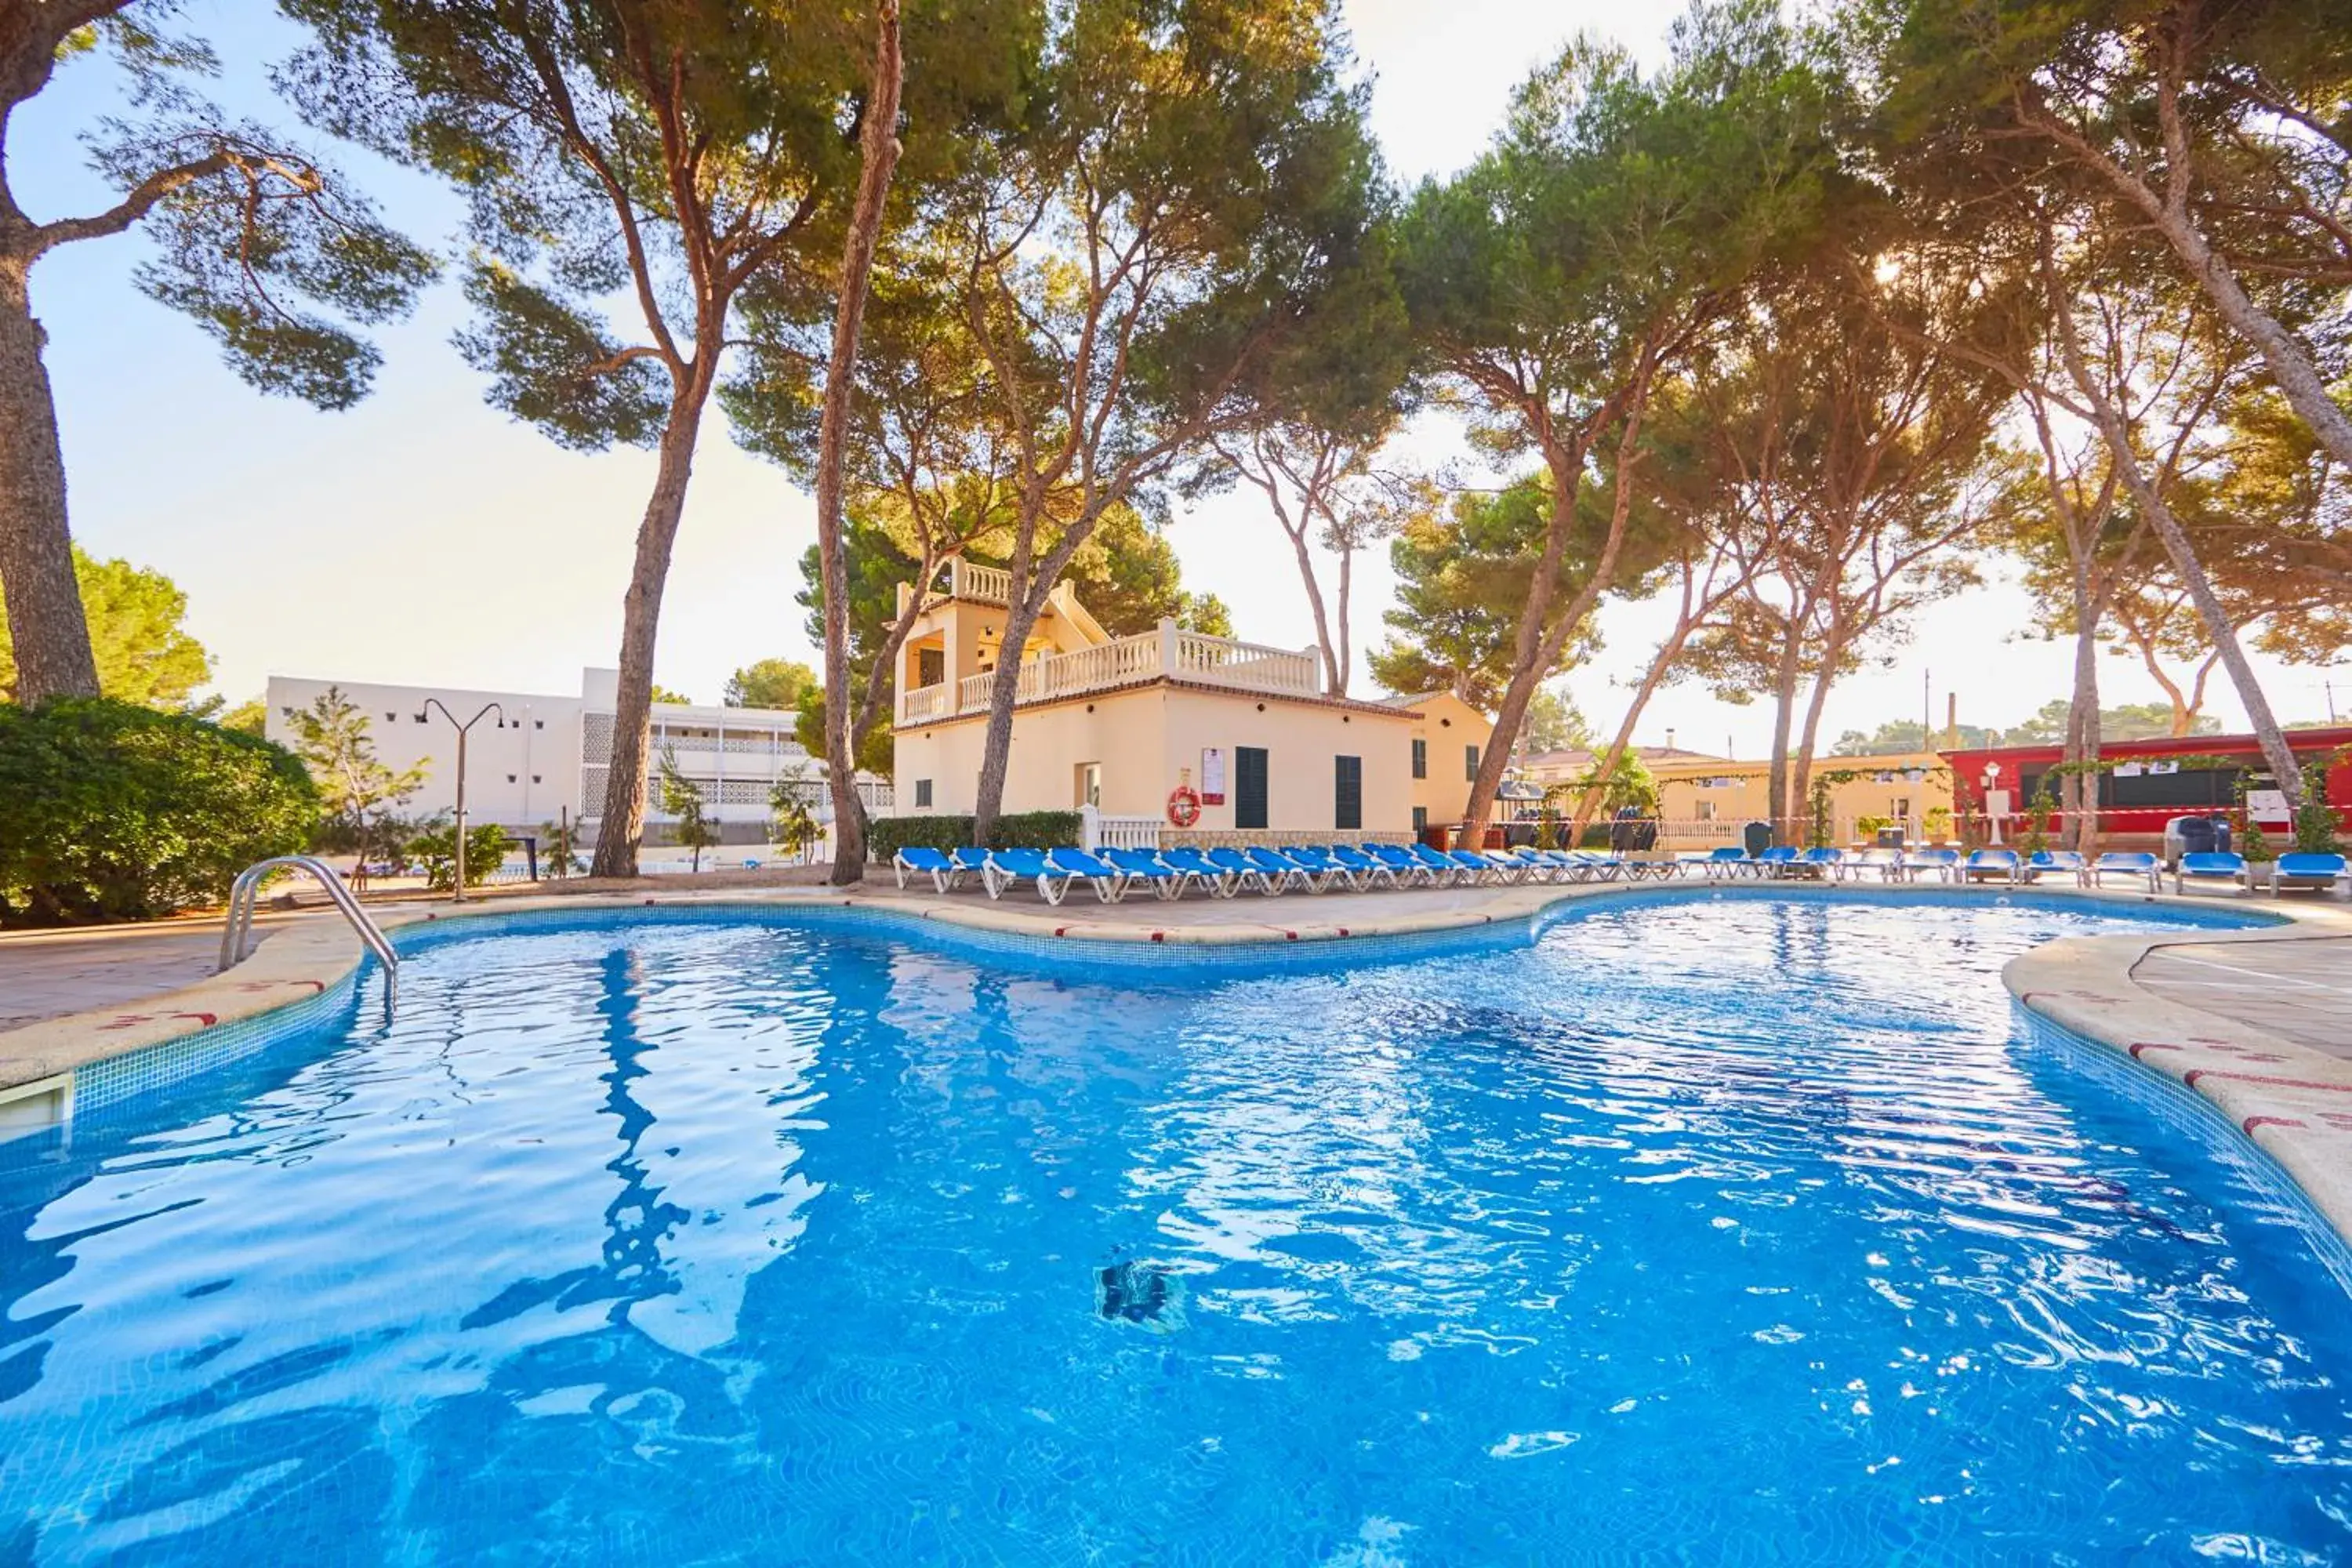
{"x":1183,"y":806}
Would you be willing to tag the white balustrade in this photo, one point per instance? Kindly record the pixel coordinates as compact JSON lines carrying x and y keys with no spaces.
{"x":969,"y":580}
{"x":1224,"y":662}
{"x":1099,"y":831}
{"x":1189,"y":656}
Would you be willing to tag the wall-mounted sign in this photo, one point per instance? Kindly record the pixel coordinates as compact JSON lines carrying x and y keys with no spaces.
{"x":1212,"y":775}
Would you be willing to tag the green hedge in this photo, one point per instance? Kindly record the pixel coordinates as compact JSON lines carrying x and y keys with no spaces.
{"x":112,"y":811}
{"x":886,"y":836}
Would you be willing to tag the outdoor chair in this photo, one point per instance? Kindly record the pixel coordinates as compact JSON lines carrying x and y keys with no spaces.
{"x":2211,"y":866}
{"x":1404,"y":866}
{"x":1503,"y":865}
{"x":1944,"y":863}
{"x":1321,"y":868}
{"x":1006,"y":867}
{"x":1440,"y":866}
{"x":1471,"y":864}
{"x":915,"y":860}
{"x":1887,"y":863}
{"x":1991,"y":865}
{"x":1276,"y":867}
{"x":1219,"y":882}
{"x":2307,"y":871}
{"x":1369,"y":873}
{"x":1246,"y":876}
{"x":1108,"y":882}
{"x":1726,"y":860}
{"x":1597,"y":867}
{"x":969,"y":863}
{"x":2055,"y":862}
{"x":1549,"y":865}
{"x":1778,"y":861}
{"x":2137,"y":864}
{"x":1824,"y":862}
{"x":1165,"y":882}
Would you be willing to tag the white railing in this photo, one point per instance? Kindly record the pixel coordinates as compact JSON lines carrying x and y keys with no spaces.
{"x":1101,"y":831}
{"x":1224,"y":662}
{"x":1091,"y":669}
{"x":924,"y":704}
{"x":1177,"y":654}
{"x":969,"y":580}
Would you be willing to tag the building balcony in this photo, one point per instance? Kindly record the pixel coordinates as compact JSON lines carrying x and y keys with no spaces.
{"x":1166,"y":653}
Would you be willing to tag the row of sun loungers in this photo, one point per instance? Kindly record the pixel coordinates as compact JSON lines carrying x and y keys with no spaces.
{"x":1112,"y":874}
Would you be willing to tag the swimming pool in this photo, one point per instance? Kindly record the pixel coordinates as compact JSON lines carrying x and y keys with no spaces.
{"x":1752,"y":1227}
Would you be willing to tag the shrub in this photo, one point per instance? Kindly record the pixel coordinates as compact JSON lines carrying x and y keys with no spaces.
{"x":2315,"y":819}
{"x":435,"y":849}
{"x":1594,"y":837}
{"x":886,"y":836}
{"x":111,"y":811}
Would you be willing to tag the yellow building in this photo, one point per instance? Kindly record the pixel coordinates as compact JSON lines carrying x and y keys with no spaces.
{"x":1704,"y":801}
{"x":1126,"y":724}
{"x":1449,"y":740}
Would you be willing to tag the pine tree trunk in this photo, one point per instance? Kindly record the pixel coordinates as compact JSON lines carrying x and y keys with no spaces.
{"x":1784,"y":712}
{"x":1335,"y":679}
{"x":46,"y":622}
{"x":996,"y":750}
{"x":2183,"y":553}
{"x":878,"y":156}
{"x":1347,"y":561}
{"x":1803,"y":773}
{"x":624,"y":825}
{"x":2080,"y":790}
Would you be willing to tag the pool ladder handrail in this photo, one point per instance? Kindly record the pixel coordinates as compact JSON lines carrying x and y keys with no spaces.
{"x":246,"y":888}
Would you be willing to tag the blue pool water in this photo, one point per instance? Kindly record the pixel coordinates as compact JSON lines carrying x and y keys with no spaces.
{"x":1742,"y":1229}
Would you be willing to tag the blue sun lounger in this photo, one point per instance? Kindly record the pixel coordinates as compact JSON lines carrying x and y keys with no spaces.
{"x":1108,"y":880}
{"x":1726,"y":860}
{"x":1984,"y":865}
{"x":1165,"y":882}
{"x":969,"y":863}
{"x":1441,"y":867}
{"x":1944,"y":863}
{"x":1247,"y":874}
{"x":1320,"y":868}
{"x":1403,"y":865}
{"x":1278,"y":871}
{"x":1006,"y":867}
{"x":1822,"y":861}
{"x":2055,"y":863}
{"x":2212,"y":866}
{"x":915,"y":860}
{"x":1778,"y":860}
{"x":2309,"y":872}
{"x":2137,"y":864}
{"x":1369,"y":873}
{"x":1219,"y":882}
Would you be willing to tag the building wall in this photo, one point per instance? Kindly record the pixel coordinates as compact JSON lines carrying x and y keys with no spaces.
{"x":521,"y":763}
{"x":1734,"y":793}
{"x":542,"y":754}
{"x":1449,"y":725}
{"x":1149,"y":739}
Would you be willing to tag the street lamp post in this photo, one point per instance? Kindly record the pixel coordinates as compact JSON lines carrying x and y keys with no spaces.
{"x":1991,"y":777}
{"x":458,"y":895}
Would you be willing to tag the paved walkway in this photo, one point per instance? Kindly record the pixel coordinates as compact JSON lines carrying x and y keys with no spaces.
{"x":49,"y":974}
{"x":2298,"y":988}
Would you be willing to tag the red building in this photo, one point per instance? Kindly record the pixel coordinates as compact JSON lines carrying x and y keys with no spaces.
{"x":2149,"y":785}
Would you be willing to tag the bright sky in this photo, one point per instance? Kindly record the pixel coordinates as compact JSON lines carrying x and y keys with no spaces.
{"x":423,"y":537}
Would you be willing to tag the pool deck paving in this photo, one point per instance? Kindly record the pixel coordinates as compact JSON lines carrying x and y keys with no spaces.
{"x":2258,"y":1021}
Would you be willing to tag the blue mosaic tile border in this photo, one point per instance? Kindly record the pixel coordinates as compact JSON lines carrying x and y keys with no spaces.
{"x":2174,"y":1104}
{"x":105,"y":1087}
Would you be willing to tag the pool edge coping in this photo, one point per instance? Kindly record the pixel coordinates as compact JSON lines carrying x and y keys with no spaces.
{"x":2291,"y":1100}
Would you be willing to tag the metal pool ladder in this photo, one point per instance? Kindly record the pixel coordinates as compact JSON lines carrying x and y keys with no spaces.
{"x":235,"y":944}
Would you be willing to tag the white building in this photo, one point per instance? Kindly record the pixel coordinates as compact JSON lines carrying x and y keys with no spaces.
{"x":534,"y":757}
